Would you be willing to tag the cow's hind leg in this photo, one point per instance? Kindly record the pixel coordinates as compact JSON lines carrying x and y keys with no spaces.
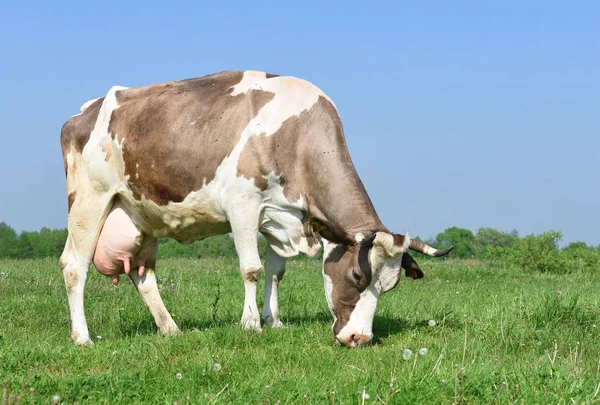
{"x":245,"y":236}
{"x":274,"y":270}
{"x":148,"y":289}
{"x":86,"y":218}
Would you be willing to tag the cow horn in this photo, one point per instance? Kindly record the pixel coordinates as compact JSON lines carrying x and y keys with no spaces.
{"x":424,"y":248}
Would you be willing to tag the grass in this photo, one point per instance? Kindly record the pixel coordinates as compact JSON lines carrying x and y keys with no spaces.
{"x":502,"y":336}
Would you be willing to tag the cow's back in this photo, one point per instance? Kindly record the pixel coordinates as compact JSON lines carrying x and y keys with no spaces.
{"x":175,"y":135}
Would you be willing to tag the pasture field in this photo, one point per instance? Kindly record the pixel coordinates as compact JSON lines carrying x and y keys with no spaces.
{"x":501,"y":336}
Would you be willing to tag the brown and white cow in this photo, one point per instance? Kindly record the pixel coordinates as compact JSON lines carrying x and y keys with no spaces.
{"x":241,"y":152}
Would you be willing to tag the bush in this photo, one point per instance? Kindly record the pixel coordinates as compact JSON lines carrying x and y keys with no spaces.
{"x":538,"y":253}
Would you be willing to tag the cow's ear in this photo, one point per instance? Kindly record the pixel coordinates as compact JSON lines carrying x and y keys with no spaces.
{"x":330,"y":231}
{"x":411,"y":267}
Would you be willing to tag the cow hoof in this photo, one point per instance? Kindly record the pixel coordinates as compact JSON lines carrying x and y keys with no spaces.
{"x":82,"y":341}
{"x":270,"y":322}
{"x":170,"y":331}
{"x":251,"y":324}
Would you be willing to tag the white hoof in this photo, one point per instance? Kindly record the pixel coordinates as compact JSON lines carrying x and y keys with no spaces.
{"x":250,"y":323}
{"x":169,"y":330}
{"x":81,"y":340}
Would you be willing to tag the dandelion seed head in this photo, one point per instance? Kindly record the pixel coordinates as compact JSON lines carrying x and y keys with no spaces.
{"x":55,"y":400}
{"x":432,"y":323}
{"x":216,"y":367}
{"x":407,"y":354}
{"x":366,"y":396}
{"x":179,"y":376}
{"x":423,"y":351}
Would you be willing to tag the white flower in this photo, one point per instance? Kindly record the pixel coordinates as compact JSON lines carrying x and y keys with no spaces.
{"x":407,"y":354}
{"x":55,"y":400}
{"x":179,"y":376}
{"x":365,"y":396}
{"x":216,"y":367}
{"x":432,"y":323}
{"x":423,"y":351}
{"x":458,"y":292}
{"x":98,"y":337}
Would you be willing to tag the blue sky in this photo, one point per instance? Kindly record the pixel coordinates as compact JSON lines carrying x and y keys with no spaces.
{"x":466,"y":114}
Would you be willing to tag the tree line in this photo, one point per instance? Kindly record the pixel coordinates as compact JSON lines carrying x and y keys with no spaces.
{"x":532,"y":252}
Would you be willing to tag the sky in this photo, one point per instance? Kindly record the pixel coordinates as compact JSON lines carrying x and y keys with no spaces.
{"x":465,"y":113}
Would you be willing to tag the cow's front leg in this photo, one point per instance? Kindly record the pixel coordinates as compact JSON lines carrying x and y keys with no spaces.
{"x":274,"y":270}
{"x":148,"y":290}
{"x":245,"y":236}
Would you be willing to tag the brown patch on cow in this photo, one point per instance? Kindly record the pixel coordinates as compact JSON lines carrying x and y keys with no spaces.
{"x":251,"y":274}
{"x":398,"y":239}
{"x":309,"y":152}
{"x":72,"y":196}
{"x":178,"y":133}
{"x":77,"y":130}
{"x":105,"y":145}
{"x":71,"y":279}
{"x":350,"y":272}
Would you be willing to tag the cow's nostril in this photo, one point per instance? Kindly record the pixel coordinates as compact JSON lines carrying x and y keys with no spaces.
{"x":354,"y":338}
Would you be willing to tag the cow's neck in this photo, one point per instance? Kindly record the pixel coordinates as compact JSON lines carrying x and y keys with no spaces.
{"x":349,"y":206}
{"x":341,"y":197}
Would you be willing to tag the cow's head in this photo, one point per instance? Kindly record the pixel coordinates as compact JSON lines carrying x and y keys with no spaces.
{"x":357,"y":269}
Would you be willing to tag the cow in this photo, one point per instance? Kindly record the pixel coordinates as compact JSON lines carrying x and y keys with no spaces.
{"x":240,"y":152}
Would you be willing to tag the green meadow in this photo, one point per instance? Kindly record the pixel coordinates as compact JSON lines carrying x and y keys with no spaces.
{"x":501,"y":335}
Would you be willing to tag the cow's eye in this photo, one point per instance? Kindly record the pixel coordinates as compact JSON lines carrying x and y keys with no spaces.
{"x":356,"y":276}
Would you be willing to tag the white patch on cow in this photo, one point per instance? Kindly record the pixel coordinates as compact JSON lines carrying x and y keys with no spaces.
{"x":249,"y":80}
{"x":101,"y":126}
{"x":327,"y":249}
{"x":385,"y":259}
{"x":388,"y":275}
{"x":281,"y":220}
{"x":361,"y":318}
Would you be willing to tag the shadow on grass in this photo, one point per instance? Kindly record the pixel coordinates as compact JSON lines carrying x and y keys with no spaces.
{"x":383,"y":326}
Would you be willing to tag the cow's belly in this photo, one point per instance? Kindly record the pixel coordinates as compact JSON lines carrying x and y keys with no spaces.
{"x":122,"y":245}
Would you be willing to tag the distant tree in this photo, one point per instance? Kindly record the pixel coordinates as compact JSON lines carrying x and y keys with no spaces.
{"x":574,"y":246}
{"x":490,"y":242}
{"x":8,"y":241}
{"x":539,"y":253}
{"x":582,"y":255}
{"x":462,"y":240}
